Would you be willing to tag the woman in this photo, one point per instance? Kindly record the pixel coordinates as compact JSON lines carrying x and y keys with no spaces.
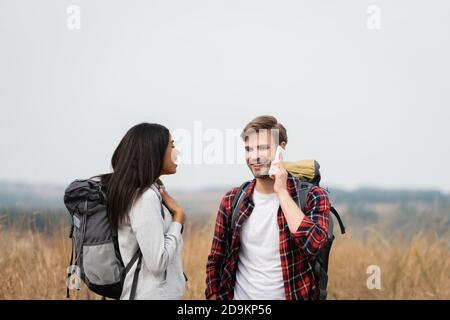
{"x":134,"y":203}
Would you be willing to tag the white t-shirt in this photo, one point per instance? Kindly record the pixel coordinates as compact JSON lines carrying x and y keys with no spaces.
{"x":259,"y":274}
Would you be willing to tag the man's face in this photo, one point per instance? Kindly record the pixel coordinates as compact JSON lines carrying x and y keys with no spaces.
{"x":260,"y":148}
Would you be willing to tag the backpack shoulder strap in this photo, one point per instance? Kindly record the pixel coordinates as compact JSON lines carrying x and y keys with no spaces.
{"x":237,"y":201}
{"x":338,"y":217}
{"x":235,"y":206}
{"x":302,"y":193}
{"x":303,"y":189}
{"x":136,"y":277}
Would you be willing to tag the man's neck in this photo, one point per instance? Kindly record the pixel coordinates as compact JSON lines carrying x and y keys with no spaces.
{"x":264,"y":185}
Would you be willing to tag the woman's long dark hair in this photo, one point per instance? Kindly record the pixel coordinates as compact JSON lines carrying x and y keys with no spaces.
{"x":136,"y":163}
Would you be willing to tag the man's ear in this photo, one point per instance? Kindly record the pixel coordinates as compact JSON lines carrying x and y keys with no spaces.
{"x":283,"y":144}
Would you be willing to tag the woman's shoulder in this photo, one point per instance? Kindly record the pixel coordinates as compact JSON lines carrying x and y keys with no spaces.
{"x":148,"y":198}
{"x":147,"y":201}
{"x":150,"y":194}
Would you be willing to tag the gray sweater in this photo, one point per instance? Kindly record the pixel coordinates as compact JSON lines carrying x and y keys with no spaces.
{"x":160,"y":240}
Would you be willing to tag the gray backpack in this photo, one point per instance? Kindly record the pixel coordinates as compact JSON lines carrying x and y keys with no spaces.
{"x":95,"y":254}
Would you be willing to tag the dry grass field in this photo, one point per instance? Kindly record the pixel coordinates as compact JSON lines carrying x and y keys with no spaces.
{"x":33,"y":265}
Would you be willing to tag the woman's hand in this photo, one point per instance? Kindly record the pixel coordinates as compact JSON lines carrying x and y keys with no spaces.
{"x":175,"y":209}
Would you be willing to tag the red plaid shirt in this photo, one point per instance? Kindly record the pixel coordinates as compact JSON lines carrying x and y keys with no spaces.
{"x":296,"y":249}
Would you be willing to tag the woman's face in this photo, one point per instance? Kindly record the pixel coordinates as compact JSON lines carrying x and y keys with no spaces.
{"x":170,"y":157}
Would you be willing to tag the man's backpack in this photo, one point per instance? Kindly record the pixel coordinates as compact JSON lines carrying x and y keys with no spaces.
{"x":95,"y":254}
{"x":308,"y":174}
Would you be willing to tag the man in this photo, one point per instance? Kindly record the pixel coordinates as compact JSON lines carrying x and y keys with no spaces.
{"x":273,"y":240}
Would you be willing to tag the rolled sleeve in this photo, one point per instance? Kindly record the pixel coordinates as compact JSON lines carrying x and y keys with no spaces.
{"x":175,"y":228}
{"x":311,"y":235}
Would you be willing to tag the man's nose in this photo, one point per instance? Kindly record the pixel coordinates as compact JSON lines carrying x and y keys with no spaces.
{"x":254,"y":154}
{"x":253,"y":160}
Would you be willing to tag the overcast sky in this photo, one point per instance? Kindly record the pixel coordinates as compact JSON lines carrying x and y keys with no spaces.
{"x":371,"y":105}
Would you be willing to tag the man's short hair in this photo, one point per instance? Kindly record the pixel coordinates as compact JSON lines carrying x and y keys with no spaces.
{"x":267,"y":123}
